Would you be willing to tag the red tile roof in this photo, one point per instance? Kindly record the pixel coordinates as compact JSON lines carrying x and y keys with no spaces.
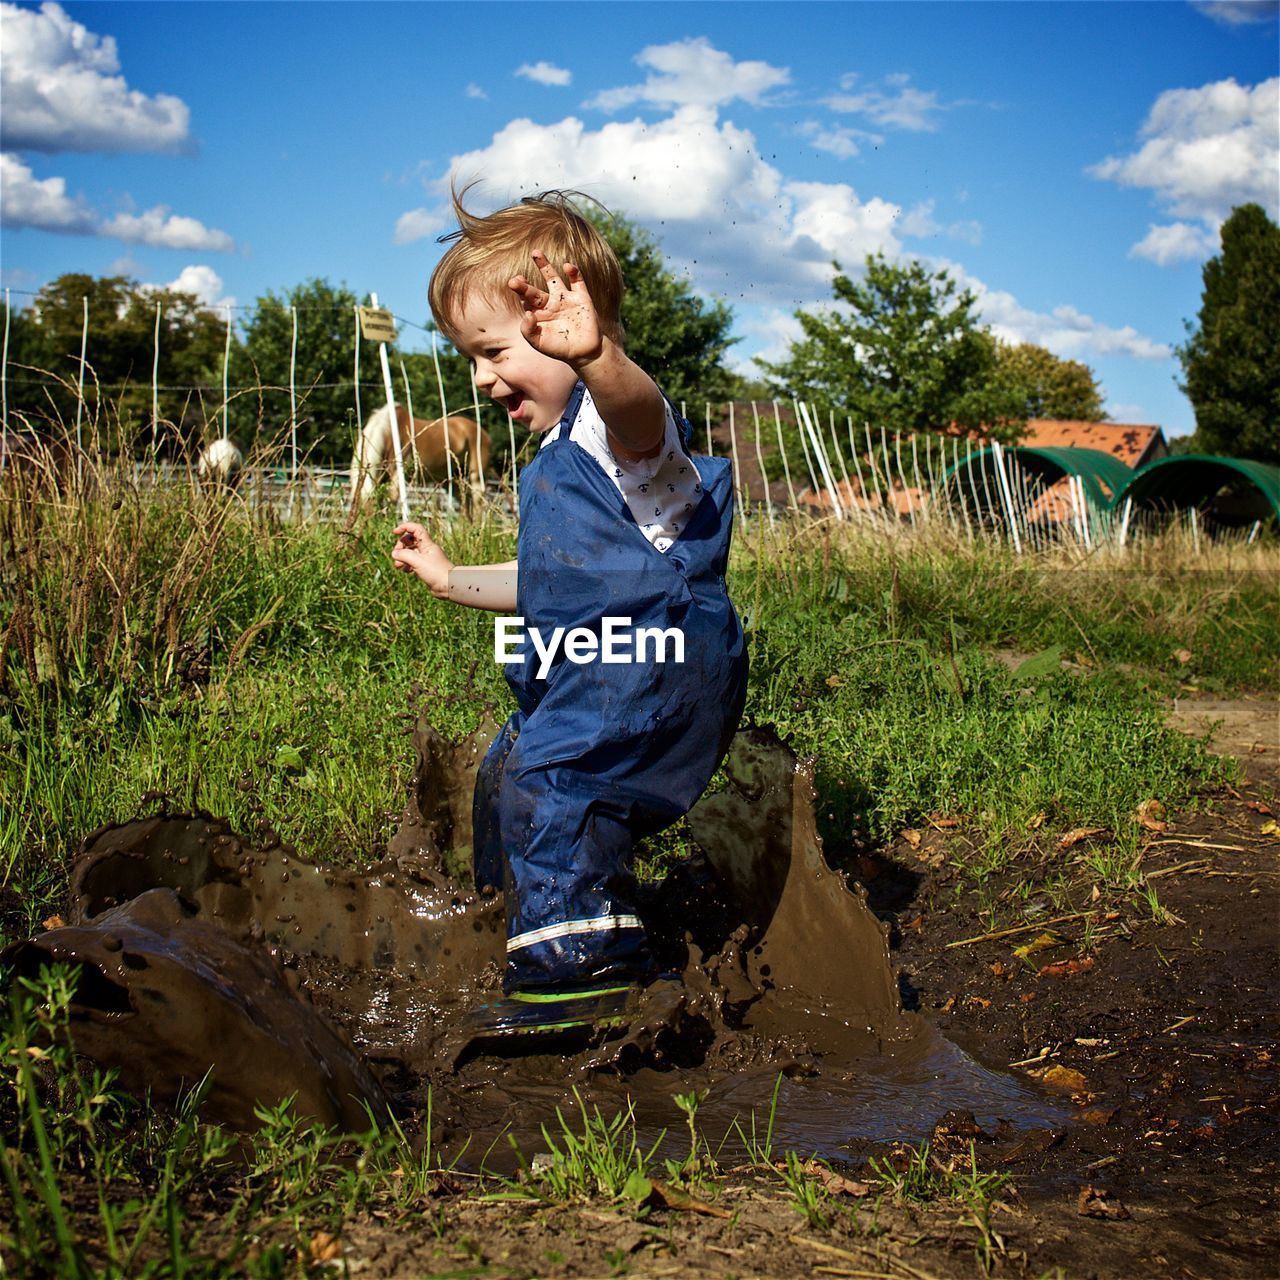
{"x":1132,"y":443}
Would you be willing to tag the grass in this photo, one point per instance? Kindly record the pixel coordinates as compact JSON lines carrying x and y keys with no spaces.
{"x":919,"y":1175}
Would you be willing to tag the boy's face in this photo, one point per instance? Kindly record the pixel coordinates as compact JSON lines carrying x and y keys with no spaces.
{"x":534,"y":388}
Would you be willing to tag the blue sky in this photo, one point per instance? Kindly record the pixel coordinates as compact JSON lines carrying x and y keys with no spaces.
{"x":1071,"y":163}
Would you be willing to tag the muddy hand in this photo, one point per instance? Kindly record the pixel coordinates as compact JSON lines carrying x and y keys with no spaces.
{"x":416,"y":553}
{"x":412,"y":535}
{"x":559,"y":321}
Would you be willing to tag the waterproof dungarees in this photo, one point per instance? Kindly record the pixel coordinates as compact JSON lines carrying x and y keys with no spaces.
{"x":600,"y":755}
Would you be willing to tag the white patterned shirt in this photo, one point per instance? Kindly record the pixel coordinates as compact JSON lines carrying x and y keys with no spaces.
{"x":662,"y":492}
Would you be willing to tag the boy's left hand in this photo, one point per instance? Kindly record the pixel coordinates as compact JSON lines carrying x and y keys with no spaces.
{"x":559,"y":321}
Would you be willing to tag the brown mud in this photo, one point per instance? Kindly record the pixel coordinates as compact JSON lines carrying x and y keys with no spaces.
{"x":208,"y":952}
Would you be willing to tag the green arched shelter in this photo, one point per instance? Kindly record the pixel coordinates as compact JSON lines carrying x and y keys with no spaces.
{"x":1231,"y":492}
{"x":1100,"y":475}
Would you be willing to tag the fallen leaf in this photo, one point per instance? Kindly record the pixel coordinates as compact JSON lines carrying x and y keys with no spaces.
{"x":1258,"y":749}
{"x":1269,"y":828}
{"x":834,"y":682}
{"x":670,"y":1197}
{"x":1060,"y":1077}
{"x":1074,"y":836}
{"x":950,"y":1004}
{"x":1041,"y":943}
{"x":1095,"y":893}
{"x":1259,"y":806}
{"x":912,"y":837}
{"x":1097,"y":1115}
{"x":1183,"y":656}
{"x":1027,"y":997}
{"x":1094,"y":1202}
{"x":1065,"y":968}
{"x":1038,"y":821}
{"x":836,"y":1183}
{"x":324,"y":1247}
{"x":1151,"y":815}
{"x":947,"y":824}
{"x":915,"y":925}
{"x":54,"y":922}
{"x":980,"y":1002}
{"x":1001,"y":970}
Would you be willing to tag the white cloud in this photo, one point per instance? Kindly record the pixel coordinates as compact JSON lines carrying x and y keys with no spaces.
{"x":838,"y":139}
{"x":1066,"y":331}
{"x":418,"y":224}
{"x":473,"y":90}
{"x":200,"y":280}
{"x":726,"y":217}
{"x":901,"y":106}
{"x":1206,"y":151}
{"x":693,"y":72}
{"x":28,"y":201}
{"x":43,"y":204}
{"x":545,"y":73}
{"x":62,"y":92}
{"x":768,"y":334}
{"x":733,"y":225}
{"x":1175,"y":242}
{"x":1236,"y":13}
{"x":1126,"y":411}
{"x":830,"y":215}
{"x":164,"y":230}
{"x":920,"y":223}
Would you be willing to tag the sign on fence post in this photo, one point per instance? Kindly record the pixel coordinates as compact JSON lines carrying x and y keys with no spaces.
{"x":378,"y":325}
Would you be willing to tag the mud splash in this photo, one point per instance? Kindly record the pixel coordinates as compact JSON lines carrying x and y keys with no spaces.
{"x":205,"y":951}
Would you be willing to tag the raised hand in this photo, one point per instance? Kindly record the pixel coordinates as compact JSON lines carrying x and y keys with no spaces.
{"x":559,"y":320}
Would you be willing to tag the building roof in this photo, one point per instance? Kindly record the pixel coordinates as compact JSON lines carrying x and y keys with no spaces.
{"x":1132,"y":443}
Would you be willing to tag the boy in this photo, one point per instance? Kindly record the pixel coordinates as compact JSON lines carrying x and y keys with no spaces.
{"x":617,"y":522}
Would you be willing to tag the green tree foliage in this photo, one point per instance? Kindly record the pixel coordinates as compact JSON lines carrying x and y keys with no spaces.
{"x":119,"y":356}
{"x":1231,"y":361}
{"x":675,"y":336}
{"x":324,"y":374}
{"x":1049,"y":386}
{"x":902,"y":350}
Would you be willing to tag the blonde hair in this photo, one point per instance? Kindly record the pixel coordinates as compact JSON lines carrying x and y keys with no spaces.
{"x":487,"y":251}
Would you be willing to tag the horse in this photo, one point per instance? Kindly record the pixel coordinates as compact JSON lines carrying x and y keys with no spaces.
{"x":464,"y":450}
{"x":219,"y":464}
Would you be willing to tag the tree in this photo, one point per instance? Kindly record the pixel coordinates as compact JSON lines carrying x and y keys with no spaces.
{"x":902,"y":350}
{"x":1050,"y":387}
{"x":120,"y":356}
{"x":1231,"y":362}
{"x":323,"y":372}
{"x":671,"y":333}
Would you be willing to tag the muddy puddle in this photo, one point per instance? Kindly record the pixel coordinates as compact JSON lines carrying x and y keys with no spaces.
{"x":204,"y":949}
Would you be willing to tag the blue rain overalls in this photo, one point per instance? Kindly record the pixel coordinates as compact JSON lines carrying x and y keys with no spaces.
{"x":600,"y":755}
